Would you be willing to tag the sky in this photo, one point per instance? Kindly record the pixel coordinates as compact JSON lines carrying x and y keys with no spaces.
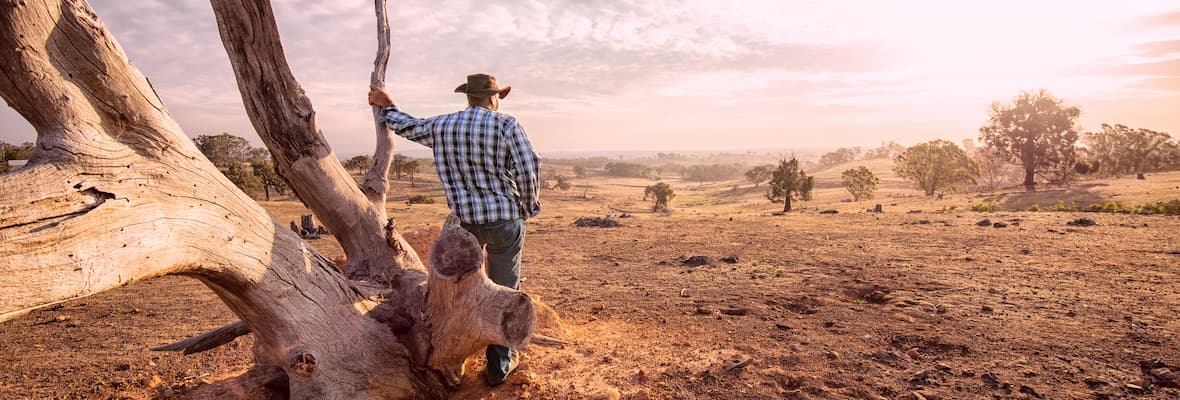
{"x":610,"y":75}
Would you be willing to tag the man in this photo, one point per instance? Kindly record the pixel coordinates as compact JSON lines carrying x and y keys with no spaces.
{"x":490,"y":173}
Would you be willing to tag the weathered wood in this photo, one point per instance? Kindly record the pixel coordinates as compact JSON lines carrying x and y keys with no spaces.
{"x":116,"y":193}
{"x":376,"y":180}
{"x":208,"y":340}
{"x":284,"y":119}
{"x":466,"y":310}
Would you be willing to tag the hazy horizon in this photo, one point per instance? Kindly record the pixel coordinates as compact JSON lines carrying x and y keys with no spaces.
{"x":681,"y":76}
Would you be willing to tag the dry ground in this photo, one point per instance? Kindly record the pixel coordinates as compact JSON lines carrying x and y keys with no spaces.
{"x":852,"y":305}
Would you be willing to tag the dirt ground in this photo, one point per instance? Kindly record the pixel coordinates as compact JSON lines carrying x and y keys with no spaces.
{"x":916,"y":302}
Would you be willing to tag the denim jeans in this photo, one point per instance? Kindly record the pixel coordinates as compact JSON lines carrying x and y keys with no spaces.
{"x":503,"y":241}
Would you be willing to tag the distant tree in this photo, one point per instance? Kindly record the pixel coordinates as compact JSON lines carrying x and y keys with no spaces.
{"x":661,"y":193}
{"x":398,"y":167}
{"x":667,"y":169}
{"x":14,"y":152}
{"x":579,"y":171}
{"x":563,"y":182}
{"x":268,"y":178}
{"x":1036,"y":131}
{"x":359,"y":163}
{"x":759,"y":174}
{"x":711,"y":172}
{"x":789,"y":182}
{"x":887,"y":150}
{"x":994,"y":169}
{"x":936,"y":165}
{"x":628,"y":169}
{"x":409,"y":168}
{"x":243,"y":178}
{"x":1118,"y":149}
{"x":860,"y":182}
{"x":840,"y":156}
{"x":225,"y":149}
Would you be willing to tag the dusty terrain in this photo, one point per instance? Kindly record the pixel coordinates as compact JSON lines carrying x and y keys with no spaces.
{"x":917,"y":301}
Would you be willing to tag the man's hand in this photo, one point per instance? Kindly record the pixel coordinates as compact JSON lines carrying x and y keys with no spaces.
{"x":379,"y":97}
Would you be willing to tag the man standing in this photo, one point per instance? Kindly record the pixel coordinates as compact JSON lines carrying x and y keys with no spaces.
{"x":490,"y":173}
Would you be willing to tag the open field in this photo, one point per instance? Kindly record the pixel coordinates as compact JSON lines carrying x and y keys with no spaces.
{"x":853,"y":305}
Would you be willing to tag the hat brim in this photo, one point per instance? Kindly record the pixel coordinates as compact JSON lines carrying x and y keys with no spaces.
{"x":484,"y":92}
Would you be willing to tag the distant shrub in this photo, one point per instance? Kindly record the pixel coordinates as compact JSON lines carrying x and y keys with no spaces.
{"x":1110,"y":207}
{"x":1061,"y":206}
{"x":419,"y":199}
{"x":628,"y":170}
{"x":1164,"y":207}
{"x":985,"y":207}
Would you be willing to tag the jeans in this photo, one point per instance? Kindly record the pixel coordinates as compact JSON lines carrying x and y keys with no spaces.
{"x":503,"y":241}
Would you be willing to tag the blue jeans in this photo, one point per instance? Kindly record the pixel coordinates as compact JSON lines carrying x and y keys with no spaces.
{"x":503,"y":241}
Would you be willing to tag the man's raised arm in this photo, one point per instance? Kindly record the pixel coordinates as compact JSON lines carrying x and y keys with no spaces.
{"x":405,"y":125}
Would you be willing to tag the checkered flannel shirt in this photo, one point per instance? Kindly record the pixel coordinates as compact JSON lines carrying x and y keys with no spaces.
{"x":486,"y":163}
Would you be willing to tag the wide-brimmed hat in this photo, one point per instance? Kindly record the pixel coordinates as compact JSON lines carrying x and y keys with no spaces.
{"x":482,"y":85}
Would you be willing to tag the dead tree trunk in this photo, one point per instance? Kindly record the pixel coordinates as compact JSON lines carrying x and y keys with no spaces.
{"x":116,"y":193}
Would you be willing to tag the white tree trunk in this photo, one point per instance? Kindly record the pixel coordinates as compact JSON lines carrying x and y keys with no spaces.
{"x":116,"y":193}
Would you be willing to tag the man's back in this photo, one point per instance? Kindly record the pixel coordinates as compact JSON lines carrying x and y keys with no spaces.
{"x":484,"y":159}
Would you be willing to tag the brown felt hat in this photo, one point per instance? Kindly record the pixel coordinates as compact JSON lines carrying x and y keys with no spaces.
{"x":482,"y":85}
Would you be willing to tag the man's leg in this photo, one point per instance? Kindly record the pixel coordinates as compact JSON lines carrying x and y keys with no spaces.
{"x":504,"y":241}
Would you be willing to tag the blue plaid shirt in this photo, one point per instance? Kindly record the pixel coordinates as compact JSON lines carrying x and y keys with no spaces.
{"x":486,"y":163}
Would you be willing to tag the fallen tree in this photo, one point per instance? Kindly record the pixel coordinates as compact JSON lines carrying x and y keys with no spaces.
{"x":116,"y":193}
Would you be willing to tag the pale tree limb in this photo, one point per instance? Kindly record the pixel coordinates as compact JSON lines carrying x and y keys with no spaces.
{"x":285,"y":120}
{"x":376,"y":180}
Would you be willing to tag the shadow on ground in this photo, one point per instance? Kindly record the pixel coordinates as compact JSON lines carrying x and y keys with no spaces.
{"x":1018,"y":201}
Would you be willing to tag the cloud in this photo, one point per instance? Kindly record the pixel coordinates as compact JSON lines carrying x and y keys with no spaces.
{"x":641,"y":74}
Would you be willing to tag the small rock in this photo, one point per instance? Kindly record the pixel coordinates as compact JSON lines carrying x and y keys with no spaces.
{"x":735,"y":311}
{"x":730,"y":259}
{"x":1082,"y":222}
{"x":154,"y":381}
{"x":832,"y":355}
{"x":999,"y":225}
{"x":829,"y":212}
{"x":122,"y":367}
{"x":1134,"y":388}
{"x":877,"y":297}
{"x":1025,"y":251}
{"x":696,"y":261}
{"x":984,"y":222}
{"x":703,"y":311}
{"x":1029,"y":390}
{"x":986,"y":309}
{"x":1094,"y":383}
{"x":913,"y":353}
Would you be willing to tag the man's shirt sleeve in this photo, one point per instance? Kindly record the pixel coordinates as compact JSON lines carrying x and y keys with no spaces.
{"x":415,"y":129}
{"x":526,"y":165}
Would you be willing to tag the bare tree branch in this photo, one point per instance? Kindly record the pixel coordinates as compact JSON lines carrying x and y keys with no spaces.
{"x":376,"y":181}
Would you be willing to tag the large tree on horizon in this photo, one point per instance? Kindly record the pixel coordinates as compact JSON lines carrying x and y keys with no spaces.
{"x":787,"y":182}
{"x":1036,"y":131}
{"x":1118,"y":149}
{"x":936,"y":165}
